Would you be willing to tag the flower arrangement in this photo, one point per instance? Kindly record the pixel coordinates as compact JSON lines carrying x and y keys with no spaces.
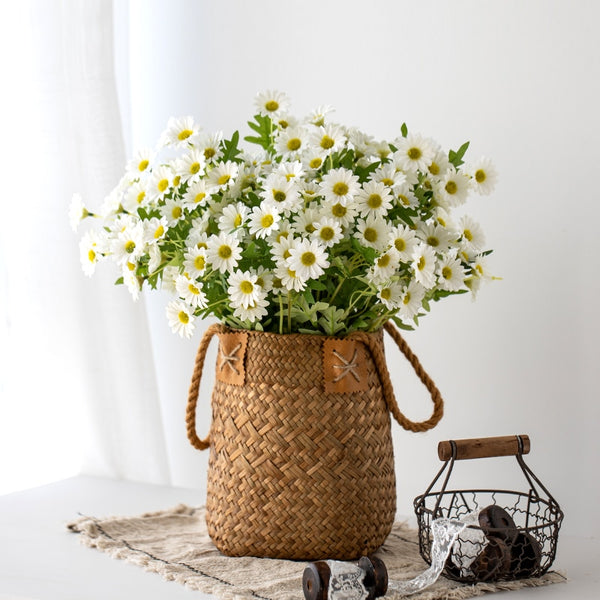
{"x":323,"y":230}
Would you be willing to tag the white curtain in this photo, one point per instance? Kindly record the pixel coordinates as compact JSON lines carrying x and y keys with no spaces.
{"x":77,"y":379}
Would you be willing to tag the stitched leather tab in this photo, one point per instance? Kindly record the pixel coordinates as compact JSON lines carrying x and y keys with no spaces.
{"x":230,"y":360}
{"x":344,"y":366}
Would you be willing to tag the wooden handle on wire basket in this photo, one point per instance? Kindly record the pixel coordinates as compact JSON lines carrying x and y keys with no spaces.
{"x":508,"y":445}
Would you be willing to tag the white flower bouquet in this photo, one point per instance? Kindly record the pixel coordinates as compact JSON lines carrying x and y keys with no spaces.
{"x":323,"y":230}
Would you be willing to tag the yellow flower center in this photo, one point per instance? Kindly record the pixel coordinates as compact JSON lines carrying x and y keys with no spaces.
{"x":266,"y":221}
{"x":140,"y":197}
{"x":374,"y":201}
{"x":315,"y":163}
{"x":291,"y":273}
{"x":406,"y":298}
{"x":339,"y":211}
{"x":193,"y":289}
{"x":246,"y":287}
{"x":308,"y":259}
{"x":200,"y":262}
{"x":194,"y":168}
{"x":159,"y":232}
{"x":370,"y":234}
{"x":130,"y":246}
{"x":238,"y":220}
{"x":414,"y":153}
{"x":286,"y":254}
{"x":421,"y":264}
{"x":91,"y":256}
{"x":176,"y":212}
{"x":340,"y":189}
{"x":224,"y":179}
{"x":143,"y":165}
{"x":434,"y":168}
{"x":279,"y":196}
{"x":480,"y":176}
{"x":451,"y":187}
{"x":386,"y":293}
{"x":400,"y":244}
{"x":433,"y":241}
{"x":163,"y":184}
{"x":326,"y":233}
{"x":176,"y":181}
{"x":183,"y":317}
{"x":383,"y":261}
{"x":479,"y":269}
{"x":327,"y":142}
{"x":184,"y":134}
{"x":442,"y":222}
{"x":272,"y":105}
{"x":199,"y":197}
{"x":131,"y":266}
{"x":387,"y":181}
{"x":294,"y":144}
{"x":403,"y":199}
{"x":283,"y":124}
{"x":225,"y":251}
{"x":447,"y":273}
{"x":468,"y":235}
{"x":209,"y":153}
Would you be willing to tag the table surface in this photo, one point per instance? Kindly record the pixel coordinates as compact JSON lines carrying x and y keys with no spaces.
{"x":41,"y":560}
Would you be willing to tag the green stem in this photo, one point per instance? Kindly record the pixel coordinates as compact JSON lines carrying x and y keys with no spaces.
{"x":289,"y":312}
{"x":280,"y":313}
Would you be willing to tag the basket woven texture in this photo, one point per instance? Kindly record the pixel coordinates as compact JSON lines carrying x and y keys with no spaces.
{"x":296,"y":471}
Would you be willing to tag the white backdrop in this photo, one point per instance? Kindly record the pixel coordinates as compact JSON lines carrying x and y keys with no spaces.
{"x":521,"y":81}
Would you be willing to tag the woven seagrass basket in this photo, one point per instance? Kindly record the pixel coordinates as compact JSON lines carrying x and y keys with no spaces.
{"x":301,"y":461}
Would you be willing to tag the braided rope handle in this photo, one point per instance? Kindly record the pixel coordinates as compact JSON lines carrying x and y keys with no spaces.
{"x":386,"y":383}
{"x":190,"y":413}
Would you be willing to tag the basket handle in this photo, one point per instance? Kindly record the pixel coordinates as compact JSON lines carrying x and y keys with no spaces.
{"x":388,"y":389}
{"x":508,"y":445}
{"x":190,"y":413}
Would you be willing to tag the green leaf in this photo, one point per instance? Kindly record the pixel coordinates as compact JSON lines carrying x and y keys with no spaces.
{"x":456,"y":157}
{"x":120,"y":281}
{"x":264,"y":127}
{"x":230,"y":147}
{"x":404,"y":130}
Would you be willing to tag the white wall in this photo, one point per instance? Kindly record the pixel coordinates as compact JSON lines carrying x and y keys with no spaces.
{"x":521,"y":81}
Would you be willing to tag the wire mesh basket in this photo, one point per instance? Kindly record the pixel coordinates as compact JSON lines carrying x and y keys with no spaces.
{"x":508,"y":535}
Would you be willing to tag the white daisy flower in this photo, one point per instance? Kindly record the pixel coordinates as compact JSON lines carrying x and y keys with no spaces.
{"x":155,"y":229}
{"x":196,"y":194}
{"x":180,"y":132}
{"x":327,"y":231}
{"x":233,"y":217}
{"x":181,"y":318}
{"x":411,"y":301}
{"x":389,"y":175}
{"x":141,"y":162}
{"x":414,"y":153}
{"x":264,"y":278}
{"x":439,"y":164}
{"x":243,"y":289}
{"x":329,"y":138}
{"x":198,"y":235}
{"x":209,"y":144}
{"x":473,"y":238}
{"x":390,"y":293}
{"x":385,"y":265}
{"x":190,"y":291}
{"x":436,"y":236}
{"x":191,"y":166}
{"x":172,"y":211}
{"x":77,"y":211}
{"x":135,"y":196}
{"x":304,"y":221}
{"x":404,"y":240}
{"x":451,"y":273}
{"x":290,"y":280}
{"x":223,"y":175}
{"x":253,"y":312}
{"x":480,"y":268}
{"x":344,"y":215}
{"x":281,"y":193}
{"x":292,"y":141}
{"x":272,"y":103}
{"x":483,"y":176}
{"x":339,"y":186}
{"x":308,"y":259}
{"x":129,"y":245}
{"x":313,"y":158}
{"x":374,"y":198}
{"x":154,"y":258}
{"x":290,"y":170}
{"x":169,"y":276}
{"x":223,"y":252}
{"x":424,"y":264}
{"x":453,"y":188}
{"x":264,"y":220}
{"x":159,"y":183}
{"x":194,"y":262}
{"x":317,"y":115}
{"x":280,"y":248}
{"x":372,"y":232}
{"x":90,"y":252}
{"x":130,"y":280}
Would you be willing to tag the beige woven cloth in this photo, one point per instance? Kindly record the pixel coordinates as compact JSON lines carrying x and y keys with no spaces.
{"x":174,"y":543}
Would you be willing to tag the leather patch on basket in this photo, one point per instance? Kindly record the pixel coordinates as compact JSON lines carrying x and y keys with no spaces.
{"x":230,"y":360}
{"x":344,"y":366}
